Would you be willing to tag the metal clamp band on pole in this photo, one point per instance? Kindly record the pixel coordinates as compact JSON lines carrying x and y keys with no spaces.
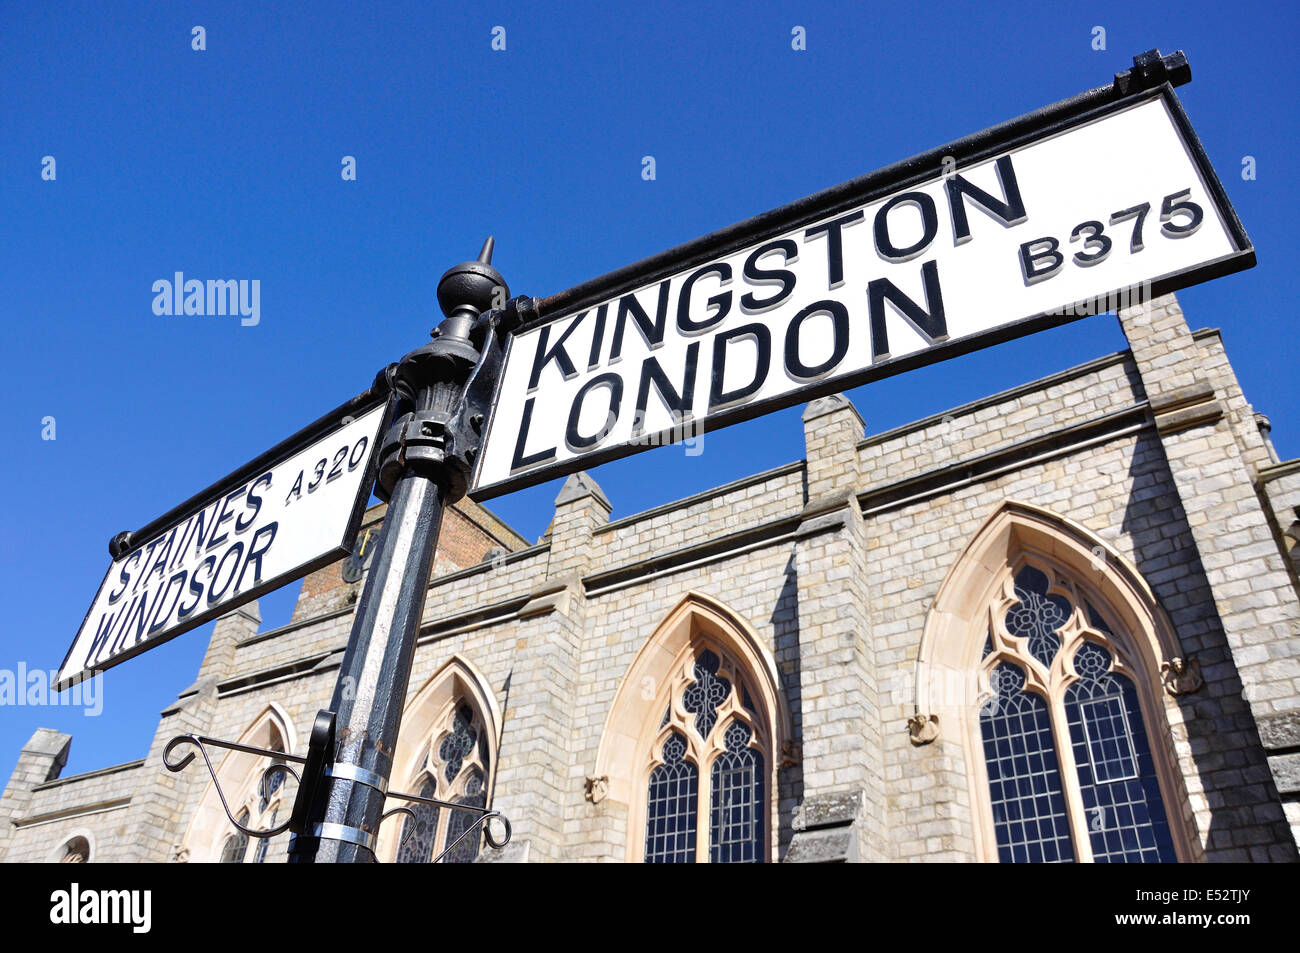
{"x":354,"y":772}
{"x":352,"y":835}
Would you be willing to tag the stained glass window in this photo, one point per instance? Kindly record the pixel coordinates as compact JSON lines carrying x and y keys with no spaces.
{"x":457,"y":744}
{"x":1108,"y":757}
{"x":1024,"y":780}
{"x":736,"y":832}
{"x":678,"y":829}
{"x":1037,"y":616}
{"x":674,"y":790}
{"x":264,"y":843}
{"x":418,"y":832}
{"x":236,"y":845}
{"x":706,"y":693}
{"x":454,"y":763}
{"x":1121,"y":796}
{"x":466,"y":850}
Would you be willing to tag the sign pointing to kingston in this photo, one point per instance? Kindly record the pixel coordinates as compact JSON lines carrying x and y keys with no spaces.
{"x":1081,"y":208}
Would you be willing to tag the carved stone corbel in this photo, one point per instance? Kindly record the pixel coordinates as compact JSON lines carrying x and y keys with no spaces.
{"x":595,"y":789}
{"x":790,"y":754}
{"x":923,"y":728}
{"x":1182,"y":676}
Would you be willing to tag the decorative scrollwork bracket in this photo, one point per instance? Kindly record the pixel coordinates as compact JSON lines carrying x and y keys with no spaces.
{"x":317,"y":765}
{"x":202,"y":743}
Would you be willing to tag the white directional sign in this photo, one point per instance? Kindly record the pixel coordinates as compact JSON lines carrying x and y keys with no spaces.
{"x":259,"y":529}
{"x":922,"y":262}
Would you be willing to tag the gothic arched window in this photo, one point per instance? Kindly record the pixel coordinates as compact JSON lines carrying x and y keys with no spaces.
{"x":236,"y":845}
{"x":710,"y":730}
{"x":76,"y":851}
{"x":260,"y":811}
{"x":1071,"y":775}
{"x":255,"y":791}
{"x":453,"y":767}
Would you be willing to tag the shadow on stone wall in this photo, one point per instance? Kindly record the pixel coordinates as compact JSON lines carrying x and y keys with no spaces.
{"x":785,"y":627}
{"x":1245,"y":808}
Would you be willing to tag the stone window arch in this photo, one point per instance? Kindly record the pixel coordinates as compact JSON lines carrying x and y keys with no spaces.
{"x":446,"y":750}
{"x":1045,"y":656}
{"x":75,"y":850}
{"x":693,"y":741}
{"x":259,"y":800}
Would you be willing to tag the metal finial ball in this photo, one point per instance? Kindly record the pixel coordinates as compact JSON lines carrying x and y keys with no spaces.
{"x":473,"y":283}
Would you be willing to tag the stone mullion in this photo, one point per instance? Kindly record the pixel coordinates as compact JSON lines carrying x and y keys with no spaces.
{"x":1069,"y":771}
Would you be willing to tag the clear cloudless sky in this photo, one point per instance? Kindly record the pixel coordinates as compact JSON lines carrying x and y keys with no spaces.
{"x":226,"y":163}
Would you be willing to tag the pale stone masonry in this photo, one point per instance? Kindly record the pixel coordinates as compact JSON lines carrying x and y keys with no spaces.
{"x":835,"y":570}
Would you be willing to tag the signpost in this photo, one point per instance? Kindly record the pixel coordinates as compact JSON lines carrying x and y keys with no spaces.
{"x":1071,"y":210}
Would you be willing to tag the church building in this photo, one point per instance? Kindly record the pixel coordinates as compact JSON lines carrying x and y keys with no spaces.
{"x":1060,"y":623}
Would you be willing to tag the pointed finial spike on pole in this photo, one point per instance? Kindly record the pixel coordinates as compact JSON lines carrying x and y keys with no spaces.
{"x":485,"y":256}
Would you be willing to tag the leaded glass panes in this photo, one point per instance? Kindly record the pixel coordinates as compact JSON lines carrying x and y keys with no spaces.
{"x":270,"y":783}
{"x":736,"y":825}
{"x":1121,"y":796}
{"x":1108,"y":754}
{"x":264,"y":843}
{"x":1037,"y":616}
{"x":459,"y":743}
{"x":671,"y":812}
{"x":236,"y":845}
{"x":454,"y":768}
{"x":1024,"y":779}
{"x":466,"y":850}
{"x":418,"y":832}
{"x":707,"y":801}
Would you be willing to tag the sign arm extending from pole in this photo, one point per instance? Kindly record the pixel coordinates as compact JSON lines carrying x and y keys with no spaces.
{"x":445,"y":388}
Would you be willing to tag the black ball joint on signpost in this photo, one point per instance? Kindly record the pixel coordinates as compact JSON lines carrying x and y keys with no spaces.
{"x":440,"y":432}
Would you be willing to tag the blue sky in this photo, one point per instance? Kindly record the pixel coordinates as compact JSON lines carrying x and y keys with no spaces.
{"x":226,"y":163}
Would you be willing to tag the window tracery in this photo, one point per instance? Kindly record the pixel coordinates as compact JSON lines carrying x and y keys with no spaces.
{"x":454,"y":766}
{"x":1071,"y":775}
{"x":711,"y":731}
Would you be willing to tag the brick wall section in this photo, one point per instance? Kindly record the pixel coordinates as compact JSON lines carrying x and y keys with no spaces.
{"x":1106,"y":385}
{"x":94,"y":805}
{"x":1213,"y":364}
{"x":702,"y":517}
{"x":469,"y":532}
{"x":1252,"y":589}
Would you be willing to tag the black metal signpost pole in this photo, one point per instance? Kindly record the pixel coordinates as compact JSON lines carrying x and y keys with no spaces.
{"x":427,"y":457}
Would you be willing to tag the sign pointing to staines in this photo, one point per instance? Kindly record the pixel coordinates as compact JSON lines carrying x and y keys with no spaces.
{"x":293,"y":510}
{"x":1087,"y":206}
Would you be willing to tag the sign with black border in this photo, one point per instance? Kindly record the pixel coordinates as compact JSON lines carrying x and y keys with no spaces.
{"x":291,"y":511}
{"x":1026,"y":226}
